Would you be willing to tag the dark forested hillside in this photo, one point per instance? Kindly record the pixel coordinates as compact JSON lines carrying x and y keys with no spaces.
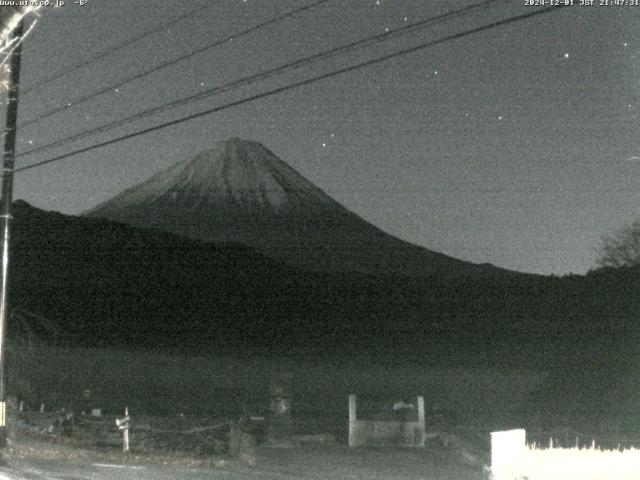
{"x":104,"y":283}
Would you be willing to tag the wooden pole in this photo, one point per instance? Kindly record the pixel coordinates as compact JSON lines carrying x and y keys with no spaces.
{"x":5,"y":213}
{"x":123,"y":424}
{"x":421,"y":422}
{"x":125,"y":434}
{"x":352,"y":420}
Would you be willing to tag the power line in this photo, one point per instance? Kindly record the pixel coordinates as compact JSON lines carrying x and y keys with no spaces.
{"x":267,"y":73}
{"x":168,"y":63}
{"x":292,"y":86}
{"x":73,"y":68}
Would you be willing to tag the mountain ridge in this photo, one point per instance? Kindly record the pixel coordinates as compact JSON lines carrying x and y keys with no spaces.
{"x":104,"y":282}
{"x":240,"y":191}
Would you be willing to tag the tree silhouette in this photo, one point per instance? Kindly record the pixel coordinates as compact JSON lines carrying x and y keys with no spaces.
{"x":622,"y":249}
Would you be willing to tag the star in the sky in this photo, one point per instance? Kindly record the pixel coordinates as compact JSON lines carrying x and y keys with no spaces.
{"x":566,"y":55}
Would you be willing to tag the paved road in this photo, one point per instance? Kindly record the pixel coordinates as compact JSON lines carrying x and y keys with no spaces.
{"x":65,"y":470}
{"x":308,"y":463}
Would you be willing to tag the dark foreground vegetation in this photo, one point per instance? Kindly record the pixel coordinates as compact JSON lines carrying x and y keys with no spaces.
{"x":79,"y":282}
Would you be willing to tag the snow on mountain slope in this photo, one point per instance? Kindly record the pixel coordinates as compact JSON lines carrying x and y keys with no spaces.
{"x":239,"y":191}
{"x":234,"y":172}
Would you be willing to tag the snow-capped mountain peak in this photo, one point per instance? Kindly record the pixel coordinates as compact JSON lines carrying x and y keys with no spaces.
{"x":239,"y":191}
{"x":231,"y":172}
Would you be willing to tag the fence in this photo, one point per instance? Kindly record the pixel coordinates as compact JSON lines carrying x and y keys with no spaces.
{"x":513,"y":459}
{"x":408,"y":432}
{"x":146,"y":434}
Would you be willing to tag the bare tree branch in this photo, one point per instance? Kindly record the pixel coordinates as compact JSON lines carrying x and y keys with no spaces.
{"x":622,"y":249}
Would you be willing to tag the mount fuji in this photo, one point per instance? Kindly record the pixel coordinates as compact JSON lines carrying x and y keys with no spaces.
{"x":239,"y":191}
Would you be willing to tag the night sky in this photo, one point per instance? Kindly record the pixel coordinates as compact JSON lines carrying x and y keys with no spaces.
{"x":516,"y":146}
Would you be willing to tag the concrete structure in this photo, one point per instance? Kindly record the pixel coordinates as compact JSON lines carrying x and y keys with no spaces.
{"x":507,"y":452}
{"x":512,"y":458}
{"x":408,"y":432}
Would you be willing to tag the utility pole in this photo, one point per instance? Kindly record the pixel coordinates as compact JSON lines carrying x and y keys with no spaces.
{"x":5,"y":213}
